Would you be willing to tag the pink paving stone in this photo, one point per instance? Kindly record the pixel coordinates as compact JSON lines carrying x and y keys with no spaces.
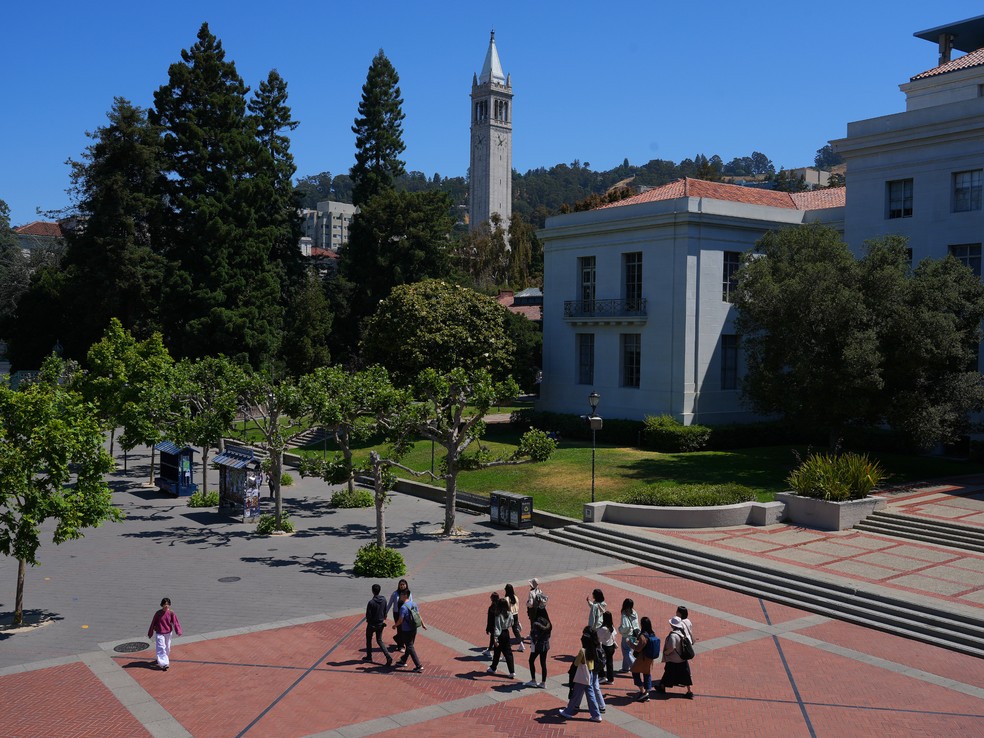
{"x":536,"y":715}
{"x":918,"y":655}
{"x":841,"y":722}
{"x":707,"y":595}
{"x":63,"y":701}
{"x":347,"y":692}
{"x":830,"y":679}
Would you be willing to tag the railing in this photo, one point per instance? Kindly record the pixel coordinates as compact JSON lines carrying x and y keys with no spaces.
{"x":604,"y":308}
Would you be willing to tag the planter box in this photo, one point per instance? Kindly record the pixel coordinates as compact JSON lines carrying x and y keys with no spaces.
{"x":827,"y":515}
{"x":652,"y":516}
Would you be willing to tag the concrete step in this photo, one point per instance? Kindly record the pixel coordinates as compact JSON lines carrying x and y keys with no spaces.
{"x":953,"y":535}
{"x":911,"y":620}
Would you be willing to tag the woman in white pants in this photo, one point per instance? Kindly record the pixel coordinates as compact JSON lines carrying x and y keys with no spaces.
{"x":165,"y":623}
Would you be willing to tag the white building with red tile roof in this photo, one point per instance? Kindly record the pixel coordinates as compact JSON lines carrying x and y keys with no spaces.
{"x":920,"y":173}
{"x":637,"y":297}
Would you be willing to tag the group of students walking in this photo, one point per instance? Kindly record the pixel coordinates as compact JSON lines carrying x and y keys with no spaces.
{"x":594,"y":664}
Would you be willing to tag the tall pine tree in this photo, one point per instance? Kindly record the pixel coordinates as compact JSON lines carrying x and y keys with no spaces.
{"x":378,"y":132}
{"x":113,"y":266}
{"x":222,"y":290}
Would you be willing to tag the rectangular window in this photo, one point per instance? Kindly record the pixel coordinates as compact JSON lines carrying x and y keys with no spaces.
{"x":968,"y":254}
{"x":967,"y":191}
{"x":585,"y":358}
{"x":900,"y":198}
{"x":729,"y":276}
{"x":729,"y":362}
{"x":586,"y":269}
{"x":632,"y":269}
{"x":631,"y":359}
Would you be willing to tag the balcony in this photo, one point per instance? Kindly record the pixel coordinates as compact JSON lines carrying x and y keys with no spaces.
{"x":613,"y":312}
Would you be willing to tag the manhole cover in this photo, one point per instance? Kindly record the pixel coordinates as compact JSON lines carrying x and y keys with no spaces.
{"x":132,"y":647}
{"x":225,"y":580}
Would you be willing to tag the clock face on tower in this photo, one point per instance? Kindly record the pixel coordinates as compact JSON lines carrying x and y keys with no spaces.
{"x":501,"y":140}
{"x":479,"y":139}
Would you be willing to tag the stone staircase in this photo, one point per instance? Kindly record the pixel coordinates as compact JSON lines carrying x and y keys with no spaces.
{"x":941,"y":533}
{"x":941,"y":626}
{"x":312,"y":436}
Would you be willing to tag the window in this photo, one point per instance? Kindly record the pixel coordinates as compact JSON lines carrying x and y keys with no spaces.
{"x":585,"y":358}
{"x":968,"y":254}
{"x":631,"y":359}
{"x":729,"y":276}
{"x":632,"y":269}
{"x":586,"y":268}
{"x":900,"y":198}
{"x":967,"y":191}
{"x":729,"y":362}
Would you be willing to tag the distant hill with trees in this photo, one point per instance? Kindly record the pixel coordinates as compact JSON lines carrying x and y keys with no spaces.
{"x":542,"y":192}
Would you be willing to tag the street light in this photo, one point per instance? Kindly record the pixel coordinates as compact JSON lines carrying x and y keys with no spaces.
{"x":593,"y":399}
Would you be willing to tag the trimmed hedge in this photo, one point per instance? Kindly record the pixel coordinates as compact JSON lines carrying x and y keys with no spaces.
{"x":665,"y":433}
{"x":356,"y":498}
{"x":690,"y":495}
{"x":385,"y":563}
{"x":617,"y":431}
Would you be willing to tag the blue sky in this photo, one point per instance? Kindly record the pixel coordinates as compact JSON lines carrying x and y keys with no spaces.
{"x":593,"y":81}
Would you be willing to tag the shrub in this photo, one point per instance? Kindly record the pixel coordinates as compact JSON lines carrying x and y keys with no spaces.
{"x":617,"y":431}
{"x":356,"y":498}
{"x":386,"y":563}
{"x":204,"y":499}
{"x":665,"y":433}
{"x":286,"y":480}
{"x":836,"y":477}
{"x":267,"y":524}
{"x":691,"y":495}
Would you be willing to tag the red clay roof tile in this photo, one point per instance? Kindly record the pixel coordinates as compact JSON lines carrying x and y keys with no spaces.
{"x":687,"y":187}
{"x":973,"y":59}
{"x":40,"y":228}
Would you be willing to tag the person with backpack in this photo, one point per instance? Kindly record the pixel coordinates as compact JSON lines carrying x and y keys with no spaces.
{"x":676,"y":659}
{"x":490,"y":623}
{"x":517,"y":627}
{"x":606,"y":637}
{"x":394,"y":605}
{"x":584,"y":664}
{"x":407,"y":623}
{"x":503,"y":620}
{"x":375,"y":623}
{"x":646,"y":651}
{"x":540,"y":632}
{"x":628,"y":625}
{"x":596,"y":609}
{"x":534,"y":601}
{"x":598,"y":673}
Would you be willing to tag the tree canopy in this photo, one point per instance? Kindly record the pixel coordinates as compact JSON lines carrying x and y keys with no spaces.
{"x":52,"y":464}
{"x":831,"y":341}
{"x":433,"y":324}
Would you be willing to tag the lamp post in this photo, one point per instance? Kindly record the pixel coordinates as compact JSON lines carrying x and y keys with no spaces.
{"x":593,"y":399}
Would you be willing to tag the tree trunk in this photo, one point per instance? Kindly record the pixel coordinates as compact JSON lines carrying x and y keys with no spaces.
{"x":112,"y":441}
{"x":153,"y":458}
{"x":451,"y":497}
{"x":19,"y":601}
{"x":276,"y":469}
{"x":204,"y":469}
{"x":347,"y":455}
{"x":380,"y":498}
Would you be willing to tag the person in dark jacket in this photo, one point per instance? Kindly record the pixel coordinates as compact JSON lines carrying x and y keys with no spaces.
{"x":375,"y":622}
{"x":490,"y":623}
{"x":540,"y":632}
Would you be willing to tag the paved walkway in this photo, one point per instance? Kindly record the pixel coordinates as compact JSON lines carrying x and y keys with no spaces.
{"x":277,"y":651}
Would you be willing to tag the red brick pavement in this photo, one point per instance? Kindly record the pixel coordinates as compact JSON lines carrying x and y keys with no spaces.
{"x":305,"y":679}
{"x":63,"y":701}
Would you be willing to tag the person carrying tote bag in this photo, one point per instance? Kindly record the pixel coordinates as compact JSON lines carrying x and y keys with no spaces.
{"x":584,"y":665}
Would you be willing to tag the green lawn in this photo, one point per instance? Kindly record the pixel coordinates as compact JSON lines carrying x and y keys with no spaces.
{"x":562,"y":484}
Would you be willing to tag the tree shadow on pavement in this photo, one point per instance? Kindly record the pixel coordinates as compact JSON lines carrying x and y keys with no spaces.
{"x":313,"y":564}
{"x":191,"y":536}
{"x":33,"y":620}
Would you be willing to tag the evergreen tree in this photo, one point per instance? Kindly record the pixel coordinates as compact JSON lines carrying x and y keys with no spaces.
{"x":222,"y":290}
{"x":113,"y":268}
{"x":378,"y":132}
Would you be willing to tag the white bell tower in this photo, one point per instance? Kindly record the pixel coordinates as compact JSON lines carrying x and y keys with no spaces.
{"x":490,"y":172}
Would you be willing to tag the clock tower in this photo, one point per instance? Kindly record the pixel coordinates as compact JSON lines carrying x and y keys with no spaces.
{"x":490,"y":171}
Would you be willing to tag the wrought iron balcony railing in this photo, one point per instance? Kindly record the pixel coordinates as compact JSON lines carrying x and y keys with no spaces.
{"x":605,"y":308}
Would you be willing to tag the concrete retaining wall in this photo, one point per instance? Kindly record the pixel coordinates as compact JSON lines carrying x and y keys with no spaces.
{"x":719,"y":516}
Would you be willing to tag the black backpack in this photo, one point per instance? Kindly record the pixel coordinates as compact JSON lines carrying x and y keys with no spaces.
{"x":686,"y":648}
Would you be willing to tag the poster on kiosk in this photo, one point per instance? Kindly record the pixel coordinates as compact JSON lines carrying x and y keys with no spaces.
{"x":251,"y":496}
